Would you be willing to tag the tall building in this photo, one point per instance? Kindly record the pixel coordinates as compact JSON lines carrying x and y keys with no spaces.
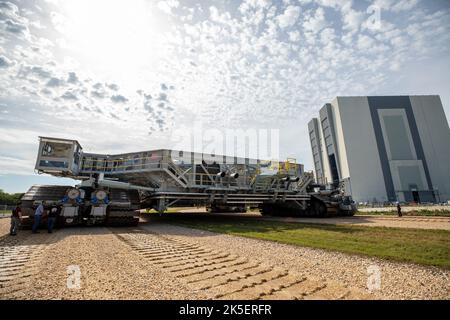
{"x":394,"y":148}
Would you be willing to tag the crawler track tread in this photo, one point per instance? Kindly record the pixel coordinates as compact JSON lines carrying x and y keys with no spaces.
{"x":226,"y":275}
{"x":19,"y":261}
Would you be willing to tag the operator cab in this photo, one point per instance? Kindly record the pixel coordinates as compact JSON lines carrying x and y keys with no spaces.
{"x":59,"y":157}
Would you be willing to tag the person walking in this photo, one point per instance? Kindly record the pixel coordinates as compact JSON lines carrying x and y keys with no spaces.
{"x":399,"y":210}
{"x":38,"y":216}
{"x":54,"y":213}
{"x":16,"y":218}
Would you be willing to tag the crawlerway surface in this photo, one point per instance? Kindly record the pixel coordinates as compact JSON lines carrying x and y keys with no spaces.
{"x":161,"y":261}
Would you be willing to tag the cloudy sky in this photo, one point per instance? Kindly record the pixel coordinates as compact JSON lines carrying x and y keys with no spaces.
{"x":129,"y":75}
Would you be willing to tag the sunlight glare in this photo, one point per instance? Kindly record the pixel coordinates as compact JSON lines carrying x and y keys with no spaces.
{"x":114,"y":34}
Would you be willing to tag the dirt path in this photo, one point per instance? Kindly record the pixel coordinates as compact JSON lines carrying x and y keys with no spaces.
{"x":433,"y":223}
{"x":407,"y":208}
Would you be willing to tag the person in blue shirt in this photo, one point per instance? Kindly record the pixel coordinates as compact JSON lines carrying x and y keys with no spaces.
{"x":38,"y":216}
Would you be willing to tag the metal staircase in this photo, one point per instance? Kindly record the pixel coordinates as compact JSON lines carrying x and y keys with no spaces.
{"x":262,"y":183}
{"x":176,"y":174}
{"x":304,"y":181}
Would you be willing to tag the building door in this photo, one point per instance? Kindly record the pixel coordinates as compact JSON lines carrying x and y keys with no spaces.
{"x":415,"y":193}
{"x":416,"y":197}
{"x":334,"y":169}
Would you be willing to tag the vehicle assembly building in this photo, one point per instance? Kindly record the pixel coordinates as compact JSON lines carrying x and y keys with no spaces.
{"x":384,"y":149}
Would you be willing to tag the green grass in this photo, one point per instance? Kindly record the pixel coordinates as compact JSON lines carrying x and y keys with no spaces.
{"x":420,"y":213}
{"x":169,"y":210}
{"x":427,"y":247}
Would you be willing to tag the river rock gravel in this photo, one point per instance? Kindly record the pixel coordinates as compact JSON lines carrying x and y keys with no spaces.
{"x":162,"y":261}
{"x":398,"y":280}
{"x":108,"y":270}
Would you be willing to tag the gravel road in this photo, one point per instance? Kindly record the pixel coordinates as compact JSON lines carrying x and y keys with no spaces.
{"x":160,"y":261}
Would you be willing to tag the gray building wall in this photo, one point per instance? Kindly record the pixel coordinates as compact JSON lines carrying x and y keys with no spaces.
{"x":389,"y":148}
{"x":435,"y":135}
{"x":400,"y":149}
{"x":316,"y":147}
{"x":363,"y":161}
{"x":330,"y":147}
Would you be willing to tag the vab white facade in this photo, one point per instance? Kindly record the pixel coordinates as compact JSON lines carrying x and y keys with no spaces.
{"x":384,"y":149}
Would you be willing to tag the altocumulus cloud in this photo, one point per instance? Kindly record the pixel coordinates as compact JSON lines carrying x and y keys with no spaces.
{"x":5,"y":62}
{"x":119,"y":99}
{"x":230,"y":64}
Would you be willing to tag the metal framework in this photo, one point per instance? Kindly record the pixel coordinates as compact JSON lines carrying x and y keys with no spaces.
{"x":165,"y":177}
{"x":114,"y":187}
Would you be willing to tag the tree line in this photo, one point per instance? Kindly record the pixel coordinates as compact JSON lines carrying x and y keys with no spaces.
{"x":9,"y":198}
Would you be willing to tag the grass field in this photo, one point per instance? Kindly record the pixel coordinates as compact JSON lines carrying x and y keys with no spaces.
{"x":428,"y":247}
